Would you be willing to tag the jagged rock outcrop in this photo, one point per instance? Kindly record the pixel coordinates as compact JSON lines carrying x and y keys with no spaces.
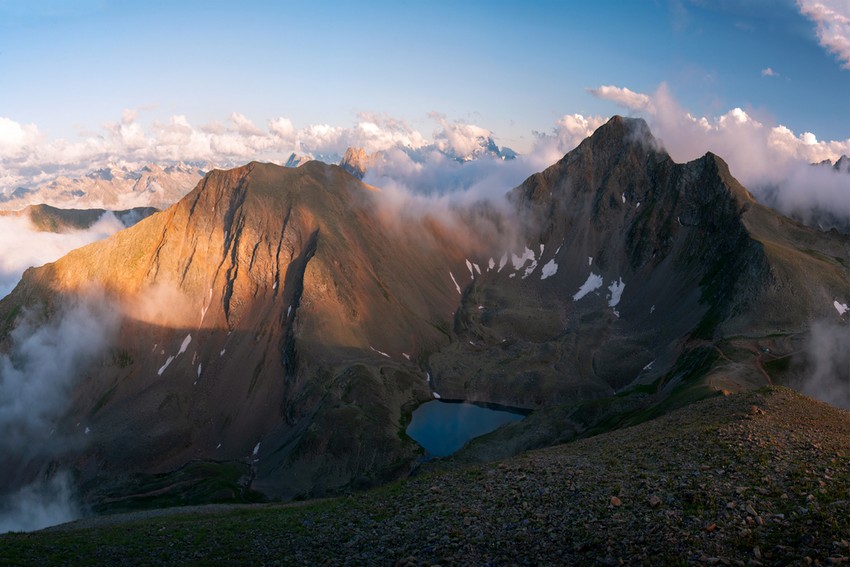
{"x":296,"y":160}
{"x":355,"y":161}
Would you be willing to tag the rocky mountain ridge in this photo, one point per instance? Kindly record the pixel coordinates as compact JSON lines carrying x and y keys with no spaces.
{"x":283,"y":319}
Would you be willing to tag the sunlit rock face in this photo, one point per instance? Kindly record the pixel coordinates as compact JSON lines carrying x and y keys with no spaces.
{"x":288,"y":320}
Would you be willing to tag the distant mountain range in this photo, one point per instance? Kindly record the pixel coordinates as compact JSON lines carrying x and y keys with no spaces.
{"x":121,"y":187}
{"x":275,"y":322}
{"x":112,"y":188}
{"x":45,"y":218}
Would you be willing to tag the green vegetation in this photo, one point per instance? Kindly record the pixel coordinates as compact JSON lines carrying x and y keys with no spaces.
{"x":198,"y":482}
{"x":121,"y":358}
{"x":778,"y":366}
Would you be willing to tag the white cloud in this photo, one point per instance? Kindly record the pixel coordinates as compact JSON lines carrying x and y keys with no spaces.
{"x":44,"y":360}
{"x":829,"y":363}
{"x":624,"y":97}
{"x":832,"y":20}
{"x":24,"y":247}
{"x":243,"y":125}
{"x":567,"y":133}
{"x":282,"y":128}
{"x":458,"y":138}
{"x":39,"y":505}
{"x":769,"y":72}
{"x":16,"y":138}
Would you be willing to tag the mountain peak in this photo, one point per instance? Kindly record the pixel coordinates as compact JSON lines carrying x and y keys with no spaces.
{"x":626,"y":131}
{"x":355,"y":161}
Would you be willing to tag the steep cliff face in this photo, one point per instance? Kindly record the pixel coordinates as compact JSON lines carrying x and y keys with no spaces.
{"x":279,"y":318}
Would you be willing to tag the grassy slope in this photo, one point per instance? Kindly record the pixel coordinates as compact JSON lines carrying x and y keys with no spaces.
{"x":757,"y":476}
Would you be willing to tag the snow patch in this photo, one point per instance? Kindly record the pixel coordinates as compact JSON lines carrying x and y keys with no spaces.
{"x":590,"y":260}
{"x":503,"y":261}
{"x":624,"y":198}
{"x":477,"y":268}
{"x":542,"y":248}
{"x":469,"y":267}
{"x":550,"y":269}
{"x":648,"y":366}
{"x":593,"y":283}
{"x":457,"y":287}
{"x":512,"y":275}
{"x":491,"y":264}
{"x":840,"y":307}
{"x":379,"y":352}
{"x":436,"y":395}
{"x":405,"y":355}
{"x":274,"y":286}
{"x":288,"y":310}
{"x":519,"y":261}
{"x":652,"y":310}
{"x":218,"y":446}
{"x":199,"y":370}
{"x":530,"y":269}
{"x":256,"y":449}
{"x":87,"y":431}
{"x":164,"y":366}
{"x":638,"y":205}
{"x":616,"y":289}
{"x":185,"y":344}
{"x":222,"y":352}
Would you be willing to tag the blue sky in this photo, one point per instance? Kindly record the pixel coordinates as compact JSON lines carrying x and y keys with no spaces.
{"x":513,"y":67}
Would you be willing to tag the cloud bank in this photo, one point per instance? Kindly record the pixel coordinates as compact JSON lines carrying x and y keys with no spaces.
{"x":39,"y":370}
{"x":23,"y":246}
{"x":37,"y":375}
{"x":40,"y":504}
{"x":829,"y":362}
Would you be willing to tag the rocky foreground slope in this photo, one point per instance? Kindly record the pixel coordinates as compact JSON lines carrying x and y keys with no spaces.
{"x":760,"y":478}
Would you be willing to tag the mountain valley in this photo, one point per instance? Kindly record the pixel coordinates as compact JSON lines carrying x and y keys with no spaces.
{"x":275,"y":328}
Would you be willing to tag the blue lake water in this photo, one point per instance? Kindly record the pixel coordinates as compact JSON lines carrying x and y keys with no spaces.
{"x":441,"y":428}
